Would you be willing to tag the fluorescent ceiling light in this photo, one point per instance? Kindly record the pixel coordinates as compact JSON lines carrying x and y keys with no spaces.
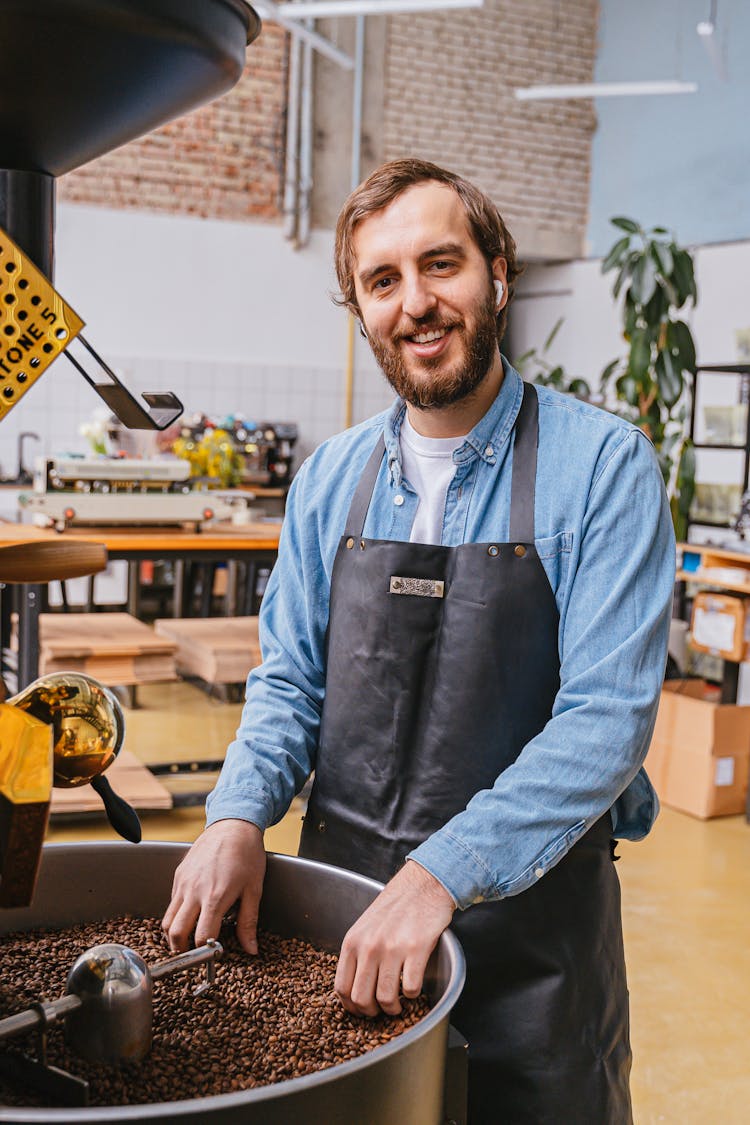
{"x":603,"y":90}
{"x":322,"y":9}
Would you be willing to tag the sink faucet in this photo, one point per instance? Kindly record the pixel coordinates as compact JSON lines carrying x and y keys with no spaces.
{"x":24,"y":475}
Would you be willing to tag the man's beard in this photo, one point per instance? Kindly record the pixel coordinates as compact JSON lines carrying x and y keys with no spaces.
{"x":450,"y":386}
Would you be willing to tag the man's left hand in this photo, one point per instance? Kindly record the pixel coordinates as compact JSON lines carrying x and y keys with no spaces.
{"x":387,"y":949}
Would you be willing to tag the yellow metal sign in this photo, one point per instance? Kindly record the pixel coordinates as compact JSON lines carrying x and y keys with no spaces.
{"x":36,"y":324}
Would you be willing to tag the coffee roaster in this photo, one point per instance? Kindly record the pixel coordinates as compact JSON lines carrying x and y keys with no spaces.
{"x":79,"y":77}
{"x":91,"y":77}
{"x":402,"y":1081}
{"x":66,"y":729}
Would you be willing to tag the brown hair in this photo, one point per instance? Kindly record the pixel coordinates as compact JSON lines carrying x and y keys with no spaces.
{"x":384,"y":185}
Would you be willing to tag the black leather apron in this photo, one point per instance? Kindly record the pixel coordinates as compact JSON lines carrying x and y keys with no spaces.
{"x":442,"y":664}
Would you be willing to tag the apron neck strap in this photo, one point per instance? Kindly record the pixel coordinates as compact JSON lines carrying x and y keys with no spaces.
{"x":523,"y":485}
{"x":523,"y":481}
{"x":355,"y":521}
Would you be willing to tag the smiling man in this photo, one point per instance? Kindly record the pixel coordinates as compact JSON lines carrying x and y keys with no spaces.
{"x":465,"y":637}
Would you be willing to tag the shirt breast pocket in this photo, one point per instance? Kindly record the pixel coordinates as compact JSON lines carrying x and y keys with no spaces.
{"x":554,"y":555}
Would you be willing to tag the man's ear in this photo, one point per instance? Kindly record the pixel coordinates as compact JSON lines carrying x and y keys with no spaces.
{"x":499,"y":277}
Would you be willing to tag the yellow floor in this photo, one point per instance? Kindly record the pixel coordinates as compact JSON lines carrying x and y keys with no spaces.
{"x":686,"y":906}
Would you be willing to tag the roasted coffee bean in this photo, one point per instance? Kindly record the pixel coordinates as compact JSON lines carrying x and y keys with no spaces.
{"x":266,"y":1019}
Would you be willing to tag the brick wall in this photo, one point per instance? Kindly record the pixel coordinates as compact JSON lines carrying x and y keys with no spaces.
{"x":449,"y":98}
{"x":223,"y":161}
{"x":444,"y":85}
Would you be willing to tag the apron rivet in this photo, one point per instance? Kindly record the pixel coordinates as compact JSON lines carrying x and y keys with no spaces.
{"x":349,"y":544}
{"x":321,"y":826}
{"x":493,"y":550}
{"x":361,"y":544}
{"x":519,"y":550}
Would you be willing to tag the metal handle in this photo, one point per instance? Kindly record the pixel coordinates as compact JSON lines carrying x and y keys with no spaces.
{"x":208,"y":954}
{"x":38,"y":1017}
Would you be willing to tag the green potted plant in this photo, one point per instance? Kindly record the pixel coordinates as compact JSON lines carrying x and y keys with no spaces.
{"x":549,"y":374}
{"x":652,"y":382}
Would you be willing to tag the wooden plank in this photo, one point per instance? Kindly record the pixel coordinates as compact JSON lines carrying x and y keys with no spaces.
{"x":115,"y":648}
{"x":220,"y":650}
{"x":129,"y":779}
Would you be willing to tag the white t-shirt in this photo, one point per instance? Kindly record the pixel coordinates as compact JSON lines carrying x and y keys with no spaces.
{"x":428,"y":467}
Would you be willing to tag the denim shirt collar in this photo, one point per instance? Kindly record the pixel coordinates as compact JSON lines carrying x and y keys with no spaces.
{"x":485,"y":440}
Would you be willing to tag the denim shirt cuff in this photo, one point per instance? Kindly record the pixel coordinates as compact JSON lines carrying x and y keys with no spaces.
{"x":463,"y":874}
{"x":239,"y":804}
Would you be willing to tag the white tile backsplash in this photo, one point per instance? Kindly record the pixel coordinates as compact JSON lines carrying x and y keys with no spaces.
{"x":313,"y":397}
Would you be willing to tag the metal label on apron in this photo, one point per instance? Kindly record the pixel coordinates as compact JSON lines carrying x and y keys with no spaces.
{"x":422,"y":587}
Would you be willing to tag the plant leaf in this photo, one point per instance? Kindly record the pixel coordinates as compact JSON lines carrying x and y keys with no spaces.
{"x":669,"y":378}
{"x":625,"y":224}
{"x":644,"y":279}
{"x":553,"y":333}
{"x":616,"y":254}
{"x":681,"y":338}
{"x":657,"y":308}
{"x":523,"y":359}
{"x":579,"y":387}
{"x":606,"y":374}
{"x":683,"y":275}
{"x":662,"y":255}
{"x":627,"y":389}
{"x":639,"y":360}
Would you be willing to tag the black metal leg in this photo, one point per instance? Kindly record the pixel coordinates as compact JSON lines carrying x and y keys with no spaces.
{"x":729,"y":682}
{"x":207,"y":572}
{"x":28,"y":634}
{"x":178,"y":610}
{"x":134,"y":588}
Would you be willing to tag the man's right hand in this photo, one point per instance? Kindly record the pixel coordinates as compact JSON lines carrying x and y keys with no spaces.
{"x":226,"y":863}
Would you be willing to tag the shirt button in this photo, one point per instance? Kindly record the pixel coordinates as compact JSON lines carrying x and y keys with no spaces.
{"x":398,"y":500}
{"x":477,"y":900}
{"x":538,"y":871}
{"x":488,"y":451}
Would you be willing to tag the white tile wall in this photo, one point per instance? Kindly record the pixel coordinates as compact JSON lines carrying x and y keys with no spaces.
{"x":312,"y":397}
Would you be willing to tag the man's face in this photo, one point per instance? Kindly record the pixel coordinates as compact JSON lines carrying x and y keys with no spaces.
{"x":426,"y":296}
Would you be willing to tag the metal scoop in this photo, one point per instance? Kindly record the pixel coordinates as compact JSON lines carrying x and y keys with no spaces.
{"x":108,"y":1007}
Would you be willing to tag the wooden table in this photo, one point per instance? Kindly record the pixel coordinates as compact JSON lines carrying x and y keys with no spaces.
{"x":254,"y":544}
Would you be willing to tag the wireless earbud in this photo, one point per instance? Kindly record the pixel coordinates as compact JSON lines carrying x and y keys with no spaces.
{"x":499,"y":290}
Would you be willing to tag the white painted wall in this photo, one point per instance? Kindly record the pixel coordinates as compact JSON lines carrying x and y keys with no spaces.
{"x":591,"y":336}
{"x":226,"y":315}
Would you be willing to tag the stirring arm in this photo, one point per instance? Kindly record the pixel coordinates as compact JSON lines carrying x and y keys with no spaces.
{"x":162,"y":407}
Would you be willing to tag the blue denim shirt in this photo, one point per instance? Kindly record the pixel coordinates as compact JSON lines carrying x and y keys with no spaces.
{"x":604,"y":536}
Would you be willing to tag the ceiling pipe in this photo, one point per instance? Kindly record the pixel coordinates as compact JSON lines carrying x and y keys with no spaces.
{"x":269,"y":11}
{"x":305,"y":148}
{"x":291,"y":163}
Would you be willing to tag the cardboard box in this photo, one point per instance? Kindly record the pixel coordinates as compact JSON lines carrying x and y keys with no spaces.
{"x":699,"y":758}
{"x":719,"y":625}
